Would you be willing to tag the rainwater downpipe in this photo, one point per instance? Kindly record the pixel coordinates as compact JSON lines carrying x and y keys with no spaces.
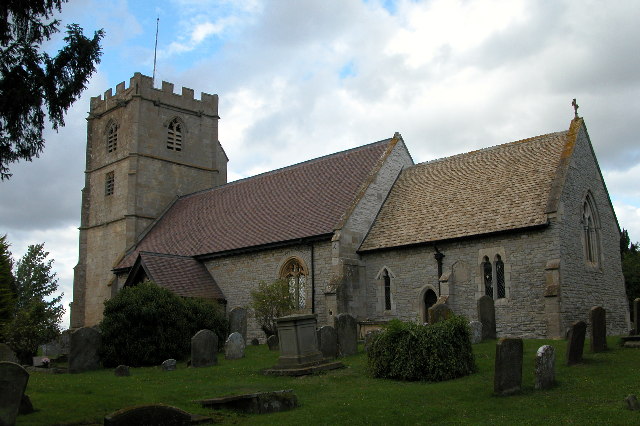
{"x":313,"y":283}
{"x":438,"y":256}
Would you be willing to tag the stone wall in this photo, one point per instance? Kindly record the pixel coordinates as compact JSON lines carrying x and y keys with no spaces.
{"x":584,"y":285}
{"x":238,"y":275}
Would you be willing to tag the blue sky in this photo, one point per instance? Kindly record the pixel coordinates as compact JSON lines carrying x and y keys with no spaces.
{"x":300,"y":79}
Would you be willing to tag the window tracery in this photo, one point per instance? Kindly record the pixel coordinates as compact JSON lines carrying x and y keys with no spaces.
{"x":296,"y":275}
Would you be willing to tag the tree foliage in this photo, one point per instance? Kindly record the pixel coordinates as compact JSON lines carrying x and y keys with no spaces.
{"x":630,"y":267}
{"x":37,"y":311}
{"x":31,"y":81}
{"x":7,"y":284}
{"x":271,"y":301}
{"x":147,"y":324}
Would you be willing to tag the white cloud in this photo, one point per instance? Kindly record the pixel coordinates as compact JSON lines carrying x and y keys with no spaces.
{"x":629,"y":219}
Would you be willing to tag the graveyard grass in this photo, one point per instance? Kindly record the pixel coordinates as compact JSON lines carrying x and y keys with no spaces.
{"x":589,"y":393}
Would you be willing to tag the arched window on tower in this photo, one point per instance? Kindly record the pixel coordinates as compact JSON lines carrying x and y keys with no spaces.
{"x":112,"y":137}
{"x":590,"y":231}
{"x":487,"y":277}
{"x":500,"y":277}
{"x":296,"y":275}
{"x":174,"y":135}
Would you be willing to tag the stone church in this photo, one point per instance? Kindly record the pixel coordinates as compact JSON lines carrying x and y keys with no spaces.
{"x":364,"y":231}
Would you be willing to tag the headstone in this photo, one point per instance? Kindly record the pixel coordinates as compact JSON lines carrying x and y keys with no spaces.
{"x":476,"y":332}
{"x":204,"y":349}
{"x":487,"y":316}
{"x":234,"y":346}
{"x":328,"y":341}
{"x":273,"y":343}
{"x":598,"y":319}
{"x":13,"y":382}
{"x":65,"y":342}
{"x":347,"y":332}
{"x":238,"y":321}
{"x":122,"y":371}
{"x":545,"y":367}
{"x":439,"y":312}
{"x":168,"y":364}
{"x":255,"y":342}
{"x":52,"y":349}
{"x":369,"y":338}
{"x":152,"y":414}
{"x":6,"y":354}
{"x":636,"y":315}
{"x":575,"y":343}
{"x":508,"y":367}
{"x":632,"y":403}
{"x":84,"y":352}
{"x":26,"y":407}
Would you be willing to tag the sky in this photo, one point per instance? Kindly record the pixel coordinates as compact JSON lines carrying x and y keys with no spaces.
{"x":300,"y":79}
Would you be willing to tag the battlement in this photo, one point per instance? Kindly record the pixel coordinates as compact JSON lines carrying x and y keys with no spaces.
{"x":141,"y":86}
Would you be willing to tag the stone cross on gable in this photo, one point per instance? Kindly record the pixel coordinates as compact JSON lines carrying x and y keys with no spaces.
{"x":575,"y":106}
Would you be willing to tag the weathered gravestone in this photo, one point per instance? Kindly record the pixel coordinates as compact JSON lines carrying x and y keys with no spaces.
{"x":122,"y":371}
{"x":487,"y":316}
{"x":439,"y":312}
{"x":575,"y":342}
{"x":632,"y":402}
{"x":13,"y":382}
{"x":347,"y":331}
{"x":238,"y":321}
{"x":598,"y":319}
{"x":507,"y":378}
{"x":476,"y":332}
{"x":273,"y":343}
{"x":545,"y":367}
{"x":204,"y":349}
{"x":152,"y":414}
{"x":65,"y":342}
{"x":84,"y":350}
{"x":328,"y":341}
{"x":168,"y":365}
{"x":255,"y":403}
{"x":255,"y":342}
{"x":234,"y":346}
{"x":6,"y":354}
{"x":636,"y":316}
{"x":51,"y":349}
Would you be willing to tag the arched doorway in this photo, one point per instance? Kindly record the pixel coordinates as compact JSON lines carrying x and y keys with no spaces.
{"x":430,"y":299}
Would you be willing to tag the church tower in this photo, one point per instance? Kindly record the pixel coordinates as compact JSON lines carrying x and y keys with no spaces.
{"x":145,"y":147}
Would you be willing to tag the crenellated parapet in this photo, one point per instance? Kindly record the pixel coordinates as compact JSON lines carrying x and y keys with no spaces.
{"x":141,"y":86}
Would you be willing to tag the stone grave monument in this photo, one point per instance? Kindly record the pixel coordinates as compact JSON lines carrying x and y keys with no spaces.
{"x":204,"y":349}
{"x":507,"y":378}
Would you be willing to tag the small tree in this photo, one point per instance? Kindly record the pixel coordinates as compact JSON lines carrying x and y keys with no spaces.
{"x":271,"y":301}
{"x":37,"y":311}
{"x":7,"y":285}
{"x":630,"y":267}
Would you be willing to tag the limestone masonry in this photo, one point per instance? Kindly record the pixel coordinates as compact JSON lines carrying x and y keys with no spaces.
{"x":363,"y":231}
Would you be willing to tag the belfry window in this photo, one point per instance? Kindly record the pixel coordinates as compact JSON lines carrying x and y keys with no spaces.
{"x":387,"y":290}
{"x":487,"y":274}
{"x":174,"y":135}
{"x":296,"y":275}
{"x":590,"y":232}
{"x":109,"y":183}
{"x":112,"y":137}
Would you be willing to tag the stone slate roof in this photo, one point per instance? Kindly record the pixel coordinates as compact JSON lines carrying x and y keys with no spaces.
{"x":496,"y":189}
{"x":184,"y":276}
{"x":304,"y":200}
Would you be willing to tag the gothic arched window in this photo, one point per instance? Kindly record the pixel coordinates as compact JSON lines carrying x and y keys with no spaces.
{"x":487,"y":275}
{"x":296,"y":275}
{"x":112,"y":137}
{"x":500,"y":277}
{"x":174,"y":135}
{"x":387,"y":290}
{"x":590,"y":231}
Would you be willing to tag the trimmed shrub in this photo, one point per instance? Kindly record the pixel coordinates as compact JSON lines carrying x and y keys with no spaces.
{"x":409,"y":351}
{"x":146,"y":324}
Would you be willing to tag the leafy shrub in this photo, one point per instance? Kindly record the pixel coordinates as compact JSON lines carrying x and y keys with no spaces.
{"x":271,"y":301}
{"x":146,"y":324}
{"x":409,"y":351}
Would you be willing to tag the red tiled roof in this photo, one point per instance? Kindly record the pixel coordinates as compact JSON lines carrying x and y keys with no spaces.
{"x":304,"y":200}
{"x":495,"y":189}
{"x":184,"y":276}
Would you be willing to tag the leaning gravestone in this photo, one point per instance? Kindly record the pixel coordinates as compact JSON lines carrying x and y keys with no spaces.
{"x":598,"y":319}
{"x":13,"y":382}
{"x":84,"y":351}
{"x":122,"y":371}
{"x":273,"y":343}
{"x":439,"y":312}
{"x":545,"y":367}
{"x":204,"y":349}
{"x":238,"y":321}
{"x":168,"y":365}
{"x":508,"y":367}
{"x":347,"y":332}
{"x":328,"y":341}
{"x":234,"y":346}
{"x":575,"y":342}
{"x":6,"y":354}
{"x":476,"y":332}
{"x":152,"y":414}
{"x":487,"y":316}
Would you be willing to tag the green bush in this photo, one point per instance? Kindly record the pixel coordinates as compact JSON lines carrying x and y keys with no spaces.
{"x":146,"y":324}
{"x":409,"y":351}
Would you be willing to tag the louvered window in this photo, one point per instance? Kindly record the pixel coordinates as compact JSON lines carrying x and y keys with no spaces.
{"x":112,"y":137}
{"x":174,"y":136}
{"x":109,"y":183}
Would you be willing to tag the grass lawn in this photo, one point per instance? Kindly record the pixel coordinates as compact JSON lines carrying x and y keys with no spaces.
{"x":590,"y":393}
